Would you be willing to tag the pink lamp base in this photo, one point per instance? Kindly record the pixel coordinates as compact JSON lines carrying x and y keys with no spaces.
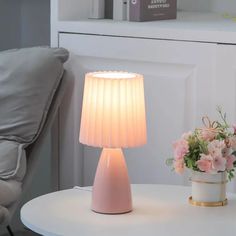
{"x":111,"y":190}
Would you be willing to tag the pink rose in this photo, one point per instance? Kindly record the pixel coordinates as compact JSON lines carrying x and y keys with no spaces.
{"x":219,"y":163}
{"x":205,"y":163}
{"x":181,"y":148}
{"x":232,"y":142}
{"x":207,"y":134}
{"x":230,"y":162}
{"x":179,"y":166}
{"x":226,"y":152}
{"x":234,"y":127}
{"x":217,"y":144}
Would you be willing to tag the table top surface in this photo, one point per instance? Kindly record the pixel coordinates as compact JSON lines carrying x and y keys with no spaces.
{"x":158,"y":210}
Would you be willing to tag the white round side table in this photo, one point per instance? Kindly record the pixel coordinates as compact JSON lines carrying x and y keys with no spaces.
{"x":159,"y":210}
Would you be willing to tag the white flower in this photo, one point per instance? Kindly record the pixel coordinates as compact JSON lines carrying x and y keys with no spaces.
{"x":215,"y":148}
{"x":185,"y":136}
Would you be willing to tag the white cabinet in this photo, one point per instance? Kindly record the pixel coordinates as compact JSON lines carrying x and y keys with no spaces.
{"x":188,"y":72}
{"x":176,"y":89}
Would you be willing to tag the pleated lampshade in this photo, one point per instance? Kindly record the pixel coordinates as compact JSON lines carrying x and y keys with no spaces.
{"x":113,"y":113}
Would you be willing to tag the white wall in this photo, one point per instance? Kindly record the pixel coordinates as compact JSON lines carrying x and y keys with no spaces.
{"x":227,"y":6}
{"x":193,"y":5}
{"x":73,"y":9}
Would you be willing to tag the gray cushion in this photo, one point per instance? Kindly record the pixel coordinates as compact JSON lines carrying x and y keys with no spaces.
{"x":12,"y":160}
{"x":28,"y":80}
{"x":10,"y":191}
{"x":4,"y":216}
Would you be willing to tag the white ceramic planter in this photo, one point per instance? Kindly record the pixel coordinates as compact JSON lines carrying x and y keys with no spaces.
{"x":208,"y":187}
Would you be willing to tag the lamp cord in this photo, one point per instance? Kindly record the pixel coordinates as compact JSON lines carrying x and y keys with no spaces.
{"x":87,"y":189}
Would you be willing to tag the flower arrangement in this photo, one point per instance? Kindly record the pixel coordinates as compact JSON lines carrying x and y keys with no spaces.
{"x":210,"y":149}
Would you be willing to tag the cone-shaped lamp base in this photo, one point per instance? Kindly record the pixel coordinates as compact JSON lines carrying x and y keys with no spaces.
{"x":111,"y":189}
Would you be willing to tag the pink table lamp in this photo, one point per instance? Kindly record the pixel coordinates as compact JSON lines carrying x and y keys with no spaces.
{"x":113,"y":117}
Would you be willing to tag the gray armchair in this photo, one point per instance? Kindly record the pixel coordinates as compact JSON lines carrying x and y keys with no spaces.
{"x":32,"y":143}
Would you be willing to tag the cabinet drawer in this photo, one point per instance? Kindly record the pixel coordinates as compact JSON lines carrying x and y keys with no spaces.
{"x":137,"y":49}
